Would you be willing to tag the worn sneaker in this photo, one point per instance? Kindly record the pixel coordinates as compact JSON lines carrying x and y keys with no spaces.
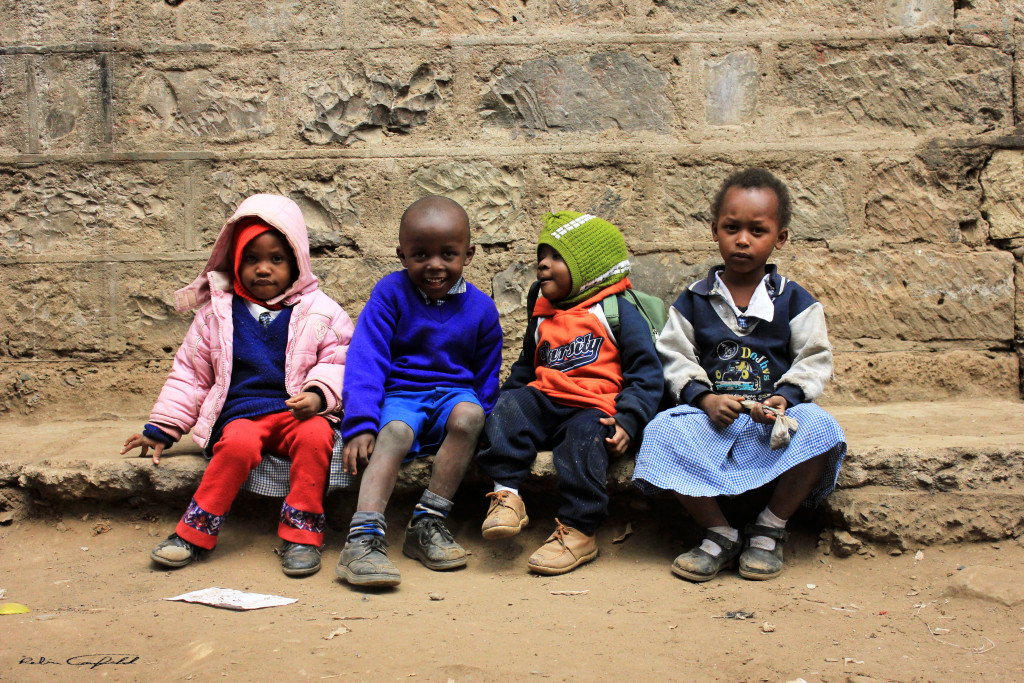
{"x":758,"y":564}
{"x":699,"y":565}
{"x":364,"y":562}
{"x":175,"y":552}
{"x":565,"y":549}
{"x":428,"y":540}
{"x":299,"y":559}
{"x":506,"y":516}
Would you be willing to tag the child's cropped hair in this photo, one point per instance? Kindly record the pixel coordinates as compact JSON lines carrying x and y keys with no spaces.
{"x":753,"y":178}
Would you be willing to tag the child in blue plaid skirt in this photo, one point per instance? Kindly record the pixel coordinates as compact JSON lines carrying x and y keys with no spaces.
{"x":743,"y":334}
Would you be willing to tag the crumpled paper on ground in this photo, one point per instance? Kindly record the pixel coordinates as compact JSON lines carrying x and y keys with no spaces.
{"x":229,"y":598}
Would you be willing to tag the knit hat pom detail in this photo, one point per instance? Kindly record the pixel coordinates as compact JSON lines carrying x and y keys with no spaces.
{"x":592,"y":248}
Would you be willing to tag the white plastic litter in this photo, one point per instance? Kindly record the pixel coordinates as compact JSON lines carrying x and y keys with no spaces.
{"x":229,"y":598}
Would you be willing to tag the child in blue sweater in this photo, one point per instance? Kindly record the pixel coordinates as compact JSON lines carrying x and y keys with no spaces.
{"x":422,"y":374}
{"x":743,"y":335}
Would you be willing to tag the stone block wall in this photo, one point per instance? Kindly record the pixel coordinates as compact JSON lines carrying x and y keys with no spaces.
{"x":130,"y":130}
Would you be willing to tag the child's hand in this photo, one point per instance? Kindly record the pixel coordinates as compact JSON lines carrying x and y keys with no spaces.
{"x":723,"y":409}
{"x":304,"y":405}
{"x":137,"y":440}
{"x":357,"y":451}
{"x":618,"y":443}
{"x":776,"y":403}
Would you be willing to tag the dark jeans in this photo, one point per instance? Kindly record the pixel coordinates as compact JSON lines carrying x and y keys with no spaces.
{"x":524,"y":421}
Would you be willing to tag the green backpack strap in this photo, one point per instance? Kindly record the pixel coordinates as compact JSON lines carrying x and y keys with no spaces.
{"x":651,"y":308}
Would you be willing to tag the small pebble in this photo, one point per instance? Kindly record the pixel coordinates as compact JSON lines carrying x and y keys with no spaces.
{"x":435,"y":596}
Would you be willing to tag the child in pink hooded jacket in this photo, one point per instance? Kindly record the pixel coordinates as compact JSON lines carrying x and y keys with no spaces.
{"x":260,"y":370}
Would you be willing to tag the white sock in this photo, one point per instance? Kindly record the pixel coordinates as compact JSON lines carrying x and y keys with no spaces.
{"x":767,"y":518}
{"x":499,"y":487}
{"x":712,"y":548}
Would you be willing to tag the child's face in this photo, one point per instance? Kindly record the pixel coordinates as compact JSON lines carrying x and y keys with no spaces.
{"x":553,"y":274}
{"x":266,"y":268}
{"x":434,"y":248}
{"x":747,"y":230}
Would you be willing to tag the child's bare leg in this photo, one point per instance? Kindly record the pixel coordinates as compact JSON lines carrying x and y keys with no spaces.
{"x":392,"y":445}
{"x":427,"y":538}
{"x":794,"y":485}
{"x":705,"y":510}
{"x":465,"y":423}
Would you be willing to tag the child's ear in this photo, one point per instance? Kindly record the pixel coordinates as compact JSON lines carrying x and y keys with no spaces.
{"x":781,"y":239}
{"x":470,"y":251}
{"x":714,"y":230}
{"x":400,"y":255}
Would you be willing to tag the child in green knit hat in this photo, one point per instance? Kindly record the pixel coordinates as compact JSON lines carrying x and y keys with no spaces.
{"x":579,"y":388}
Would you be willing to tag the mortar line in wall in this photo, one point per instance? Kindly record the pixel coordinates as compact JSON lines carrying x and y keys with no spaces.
{"x":823,"y":146}
{"x":579,"y":38}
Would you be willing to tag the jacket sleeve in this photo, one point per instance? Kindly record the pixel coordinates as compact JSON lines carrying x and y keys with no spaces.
{"x":811,"y":351}
{"x":523,"y":370}
{"x":368,"y":363}
{"x":328,"y":374}
{"x":677,"y":348}
{"x":487,"y":359}
{"x":642,"y":378}
{"x":189,"y":382}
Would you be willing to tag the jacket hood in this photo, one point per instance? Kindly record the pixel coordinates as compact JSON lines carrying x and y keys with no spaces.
{"x":277,"y":211}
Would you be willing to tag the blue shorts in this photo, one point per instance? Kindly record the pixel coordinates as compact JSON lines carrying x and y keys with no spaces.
{"x":426,"y":413}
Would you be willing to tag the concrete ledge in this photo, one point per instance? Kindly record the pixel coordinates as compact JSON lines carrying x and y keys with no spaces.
{"x":916,"y":473}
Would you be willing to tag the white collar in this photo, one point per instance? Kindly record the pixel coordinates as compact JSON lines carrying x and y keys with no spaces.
{"x":761,"y":305}
{"x":256,"y":310}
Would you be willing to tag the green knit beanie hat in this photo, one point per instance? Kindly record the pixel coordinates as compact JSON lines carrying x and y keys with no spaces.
{"x":592,"y":248}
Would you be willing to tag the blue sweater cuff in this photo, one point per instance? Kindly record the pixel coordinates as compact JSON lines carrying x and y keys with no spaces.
{"x":790,"y":392}
{"x":692,"y":391}
{"x":151,"y":431}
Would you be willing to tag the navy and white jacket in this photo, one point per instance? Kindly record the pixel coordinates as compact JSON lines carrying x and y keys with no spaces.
{"x":778,"y":346}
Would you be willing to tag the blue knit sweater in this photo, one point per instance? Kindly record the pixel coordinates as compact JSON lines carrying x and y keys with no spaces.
{"x":402,"y":343}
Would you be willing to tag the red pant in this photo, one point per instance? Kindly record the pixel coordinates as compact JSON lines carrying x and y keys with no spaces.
{"x":307,"y":444}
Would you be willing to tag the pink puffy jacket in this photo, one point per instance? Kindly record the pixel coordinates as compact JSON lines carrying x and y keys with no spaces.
{"x":318,"y":333}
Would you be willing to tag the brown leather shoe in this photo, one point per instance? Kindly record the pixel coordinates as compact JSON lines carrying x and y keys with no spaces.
{"x":564,"y":550}
{"x":506,"y":516}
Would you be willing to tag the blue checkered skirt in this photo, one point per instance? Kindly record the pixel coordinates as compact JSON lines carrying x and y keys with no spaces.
{"x":684,"y":451}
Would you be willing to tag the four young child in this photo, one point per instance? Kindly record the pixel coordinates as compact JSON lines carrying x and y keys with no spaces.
{"x":262,"y":367}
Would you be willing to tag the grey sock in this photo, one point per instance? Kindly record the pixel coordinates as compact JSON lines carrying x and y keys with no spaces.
{"x":433,"y":503}
{"x":367,"y":522}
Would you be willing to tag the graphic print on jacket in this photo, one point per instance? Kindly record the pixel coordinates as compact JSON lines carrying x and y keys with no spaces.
{"x":583,"y":350}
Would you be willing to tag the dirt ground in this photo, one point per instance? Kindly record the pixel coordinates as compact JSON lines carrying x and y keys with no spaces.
{"x":97,"y":611}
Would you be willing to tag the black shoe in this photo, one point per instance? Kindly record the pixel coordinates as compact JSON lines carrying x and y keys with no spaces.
{"x":175,"y":552}
{"x":758,"y":564}
{"x":364,"y":562}
{"x":299,"y":559}
{"x":700,"y":566}
{"x":428,"y":540}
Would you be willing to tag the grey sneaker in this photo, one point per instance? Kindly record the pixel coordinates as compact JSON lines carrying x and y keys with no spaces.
{"x":299,"y":559}
{"x":428,"y":540}
{"x":175,"y":552}
{"x":364,"y":562}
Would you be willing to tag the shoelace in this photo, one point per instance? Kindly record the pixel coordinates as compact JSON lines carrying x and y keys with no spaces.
{"x":501,"y":497}
{"x":435,"y":524}
{"x":560,"y":531}
{"x":375,"y":542}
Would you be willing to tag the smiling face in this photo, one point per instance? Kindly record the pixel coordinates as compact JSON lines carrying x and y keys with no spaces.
{"x":747,"y":231}
{"x":433,"y":245}
{"x":553,"y":274}
{"x":266,"y":266}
